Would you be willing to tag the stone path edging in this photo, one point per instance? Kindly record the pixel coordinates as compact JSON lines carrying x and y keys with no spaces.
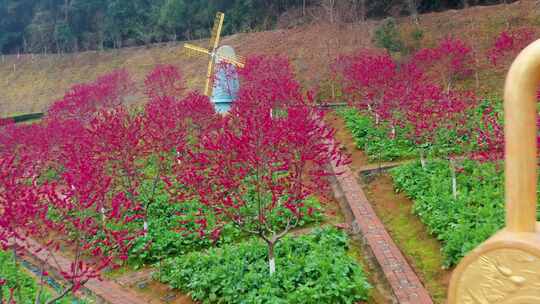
{"x":406,"y":286}
{"x":106,"y":291}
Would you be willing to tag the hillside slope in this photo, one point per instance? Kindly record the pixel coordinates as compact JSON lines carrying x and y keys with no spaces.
{"x":29,"y":83}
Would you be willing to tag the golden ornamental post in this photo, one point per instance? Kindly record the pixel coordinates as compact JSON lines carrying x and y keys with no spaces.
{"x":506,"y":268}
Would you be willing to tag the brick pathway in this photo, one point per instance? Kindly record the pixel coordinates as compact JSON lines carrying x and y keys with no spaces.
{"x":404,"y":282}
{"x":106,"y":291}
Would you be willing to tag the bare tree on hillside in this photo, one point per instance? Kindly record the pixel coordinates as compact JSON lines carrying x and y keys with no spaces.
{"x":363,"y":10}
{"x":413,"y":10}
{"x":330,"y":7}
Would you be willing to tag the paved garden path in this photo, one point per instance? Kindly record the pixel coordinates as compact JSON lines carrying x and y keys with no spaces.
{"x":406,"y":286}
{"x":106,"y":291}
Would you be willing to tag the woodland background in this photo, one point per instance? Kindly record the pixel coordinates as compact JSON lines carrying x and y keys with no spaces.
{"x":57,"y":26}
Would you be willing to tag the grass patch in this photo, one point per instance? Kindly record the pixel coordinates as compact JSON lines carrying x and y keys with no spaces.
{"x":421,"y":249}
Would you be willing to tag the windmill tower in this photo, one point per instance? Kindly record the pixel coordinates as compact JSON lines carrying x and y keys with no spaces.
{"x":215,"y":55}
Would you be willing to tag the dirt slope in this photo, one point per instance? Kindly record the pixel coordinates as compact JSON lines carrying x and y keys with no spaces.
{"x":29,"y":83}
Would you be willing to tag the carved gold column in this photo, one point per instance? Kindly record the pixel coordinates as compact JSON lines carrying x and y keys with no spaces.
{"x":506,"y":268}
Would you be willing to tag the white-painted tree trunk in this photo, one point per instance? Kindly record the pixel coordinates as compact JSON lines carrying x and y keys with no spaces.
{"x":454,"y":185}
{"x":422,"y":159}
{"x":272,"y":265}
{"x":145,"y":227}
{"x":454,"y":179}
{"x":271,"y":259}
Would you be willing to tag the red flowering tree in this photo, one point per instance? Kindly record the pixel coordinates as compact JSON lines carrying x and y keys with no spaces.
{"x":84,"y":100}
{"x":164,"y":81}
{"x":508,"y":44}
{"x":116,"y":142}
{"x":87,"y":214}
{"x":400,"y":93}
{"x":430,"y":110}
{"x":171,"y":127}
{"x":256,"y":169}
{"x":60,"y":182}
{"x":19,"y":200}
{"x":368,"y":75}
{"x":269,"y":80}
{"x":67,"y":208}
{"x":452,"y":59}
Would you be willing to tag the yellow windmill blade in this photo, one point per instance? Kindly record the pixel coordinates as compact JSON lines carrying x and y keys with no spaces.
{"x":216,"y":31}
{"x":194,"y":50}
{"x":209,"y":79}
{"x":236,"y":60}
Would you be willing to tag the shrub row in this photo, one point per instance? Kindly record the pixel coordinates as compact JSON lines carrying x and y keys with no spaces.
{"x":462,"y":223}
{"x":378,"y":142}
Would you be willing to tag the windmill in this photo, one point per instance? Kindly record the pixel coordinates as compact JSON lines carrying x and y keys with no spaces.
{"x":214,"y":54}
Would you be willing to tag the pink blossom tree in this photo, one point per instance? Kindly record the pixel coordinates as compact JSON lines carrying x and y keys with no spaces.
{"x":508,"y":44}
{"x":368,"y":77}
{"x":450,"y":60}
{"x":255,"y":169}
{"x":83,"y":100}
{"x":164,"y":81}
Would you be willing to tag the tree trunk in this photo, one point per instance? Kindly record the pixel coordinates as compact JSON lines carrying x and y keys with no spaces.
{"x":413,"y":10}
{"x":271,"y":258}
{"x":66,"y":10}
{"x":454,"y":179}
{"x":363,"y":10}
{"x":422,"y":159}
{"x":64,"y":293}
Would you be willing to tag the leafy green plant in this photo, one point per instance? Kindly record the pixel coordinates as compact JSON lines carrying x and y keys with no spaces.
{"x":416,"y":36}
{"x":376,"y":141}
{"x":313,"y":268}
{"x":170,"y":227}
{"x":24,"y":286}
{"x":460,"y":223}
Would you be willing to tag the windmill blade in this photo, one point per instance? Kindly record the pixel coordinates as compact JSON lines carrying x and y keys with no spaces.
{"x":194,"y":50}
{"x":209,"y":79}
{"x":216,"y":31}
{"x":238,"y":61}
